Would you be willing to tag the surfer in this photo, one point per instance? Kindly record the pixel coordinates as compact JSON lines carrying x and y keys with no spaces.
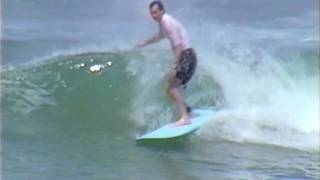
{"x":185,"y":60}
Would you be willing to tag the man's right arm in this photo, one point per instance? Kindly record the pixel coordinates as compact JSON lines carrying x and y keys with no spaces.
{"x":157,"y":37}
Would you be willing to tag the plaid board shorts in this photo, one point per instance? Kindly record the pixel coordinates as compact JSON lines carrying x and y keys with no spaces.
{"x":184,"y":69}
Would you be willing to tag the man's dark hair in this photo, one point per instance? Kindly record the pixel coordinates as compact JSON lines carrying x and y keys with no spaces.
{"x":158,"y":3}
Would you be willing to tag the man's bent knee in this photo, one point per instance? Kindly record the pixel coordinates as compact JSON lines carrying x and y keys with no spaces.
{"x":170,"y":91}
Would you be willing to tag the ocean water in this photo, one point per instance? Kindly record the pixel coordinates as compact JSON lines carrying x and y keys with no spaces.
{"x":258,"y":67}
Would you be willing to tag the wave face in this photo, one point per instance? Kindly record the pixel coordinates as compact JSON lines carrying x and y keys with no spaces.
{"x":261,"y":97}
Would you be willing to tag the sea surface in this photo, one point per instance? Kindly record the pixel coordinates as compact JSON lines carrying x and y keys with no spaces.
{"x":258,"y":67}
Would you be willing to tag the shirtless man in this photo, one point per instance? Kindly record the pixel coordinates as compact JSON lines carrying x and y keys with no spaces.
{"x":185,"y":60}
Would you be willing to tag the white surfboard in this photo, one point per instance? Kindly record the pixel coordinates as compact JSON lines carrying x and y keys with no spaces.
{"x":198,"y":118}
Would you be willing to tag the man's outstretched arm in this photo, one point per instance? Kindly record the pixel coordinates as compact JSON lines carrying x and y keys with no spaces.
{"x":157,"y":37}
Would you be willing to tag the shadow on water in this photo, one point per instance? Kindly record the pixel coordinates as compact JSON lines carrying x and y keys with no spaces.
{"x":180,"y":144}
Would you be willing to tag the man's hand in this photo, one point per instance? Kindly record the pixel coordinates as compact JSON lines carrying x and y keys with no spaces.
{"x":177,"y":53}
{"x":171,"y":74}
{"x":151,"y":40}
{"x":140,"y":45}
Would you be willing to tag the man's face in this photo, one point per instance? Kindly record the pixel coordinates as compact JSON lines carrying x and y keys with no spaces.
{"x":155,"y":13}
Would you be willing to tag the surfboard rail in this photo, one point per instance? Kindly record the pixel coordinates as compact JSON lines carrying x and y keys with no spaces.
{"x":198,"y":118}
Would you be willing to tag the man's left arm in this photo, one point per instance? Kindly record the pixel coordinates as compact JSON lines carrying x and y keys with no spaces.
{"x":177,"y":52}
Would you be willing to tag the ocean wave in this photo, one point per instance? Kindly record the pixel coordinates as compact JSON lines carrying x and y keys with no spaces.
{"x":259,"y":101}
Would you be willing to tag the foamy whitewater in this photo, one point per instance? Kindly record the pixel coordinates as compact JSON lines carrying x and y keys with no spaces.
{"x":268,"y":98}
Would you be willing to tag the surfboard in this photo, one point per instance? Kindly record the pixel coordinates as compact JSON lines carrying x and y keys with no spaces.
{"x":198,"y":118}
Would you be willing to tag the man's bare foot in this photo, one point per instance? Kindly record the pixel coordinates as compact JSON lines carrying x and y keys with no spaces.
{"x":181,"y":122}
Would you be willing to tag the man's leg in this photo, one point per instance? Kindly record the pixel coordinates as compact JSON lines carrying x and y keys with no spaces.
{"x":176,"y":96}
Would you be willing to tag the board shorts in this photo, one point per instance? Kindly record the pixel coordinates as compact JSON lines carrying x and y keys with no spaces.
{"x":184,"y":69}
